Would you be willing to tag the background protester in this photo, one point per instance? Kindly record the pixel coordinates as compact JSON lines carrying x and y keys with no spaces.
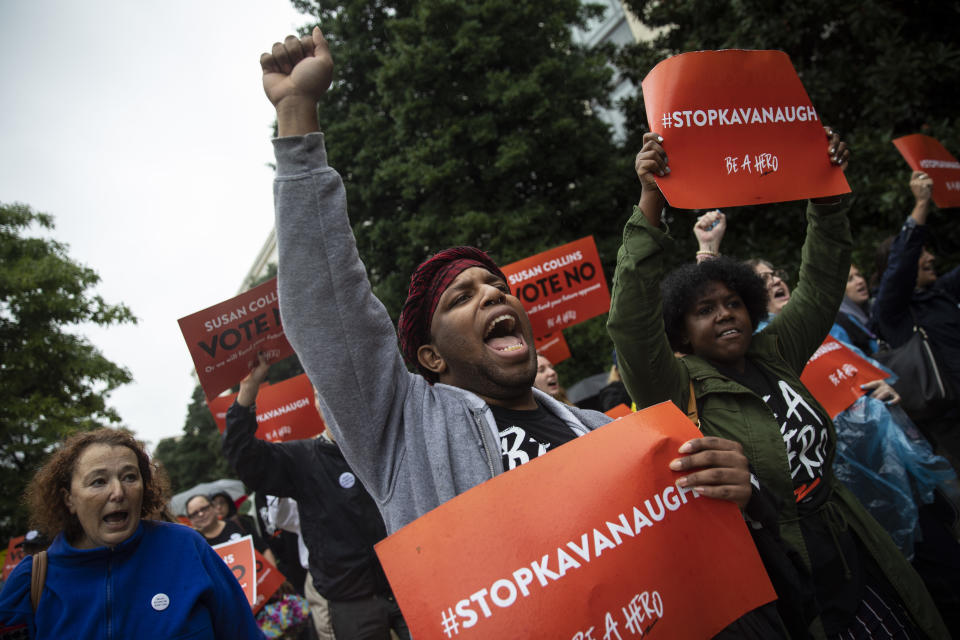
{"x":339,"y":521}
{"x":910,"y":293}
{"x":414,"y":442}
{"x":852,"y":324}
{"x":111,"y":572}
{"x":226,"y":509}
{"x":548,"y":381}
{"x":745,"y":386}
{"x":204,"y":519}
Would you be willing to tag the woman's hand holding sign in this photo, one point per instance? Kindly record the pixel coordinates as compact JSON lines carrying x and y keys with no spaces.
{"x":722,"y":471}
{"x":652,"y":160}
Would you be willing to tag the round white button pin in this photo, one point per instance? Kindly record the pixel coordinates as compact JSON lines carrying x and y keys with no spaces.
{"x":347,"y":479}
{"x":160,"y":602}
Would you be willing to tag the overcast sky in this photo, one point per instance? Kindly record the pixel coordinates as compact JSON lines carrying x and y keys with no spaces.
{"x":143,"y":129}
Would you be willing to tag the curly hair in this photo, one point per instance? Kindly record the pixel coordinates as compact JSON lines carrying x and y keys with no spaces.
{"x":45,"y":493}
{"x":682,"y":286}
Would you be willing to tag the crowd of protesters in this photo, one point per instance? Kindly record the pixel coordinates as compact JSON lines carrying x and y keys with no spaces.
{"x":856,"y":545}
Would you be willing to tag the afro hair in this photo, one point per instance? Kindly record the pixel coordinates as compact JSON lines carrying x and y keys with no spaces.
{"x":684,"y":285}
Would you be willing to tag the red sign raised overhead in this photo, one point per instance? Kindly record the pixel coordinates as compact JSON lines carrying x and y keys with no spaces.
{"x":533,"y":553}
{"x":738,"y":129}
{"x":285,"y":411}
{"x":834,"y":374}
{"x":560,"y":287}
{"x":926,"y":154}
{"x":224,"y":339}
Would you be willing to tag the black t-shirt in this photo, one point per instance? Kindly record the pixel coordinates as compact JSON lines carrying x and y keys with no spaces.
{"x":806,"y":439}
{"x":524,"y":435}
{"x":230,"y":533}
{"x":805,"y":436}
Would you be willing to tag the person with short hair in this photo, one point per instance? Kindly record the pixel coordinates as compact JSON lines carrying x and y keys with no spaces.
{"x":203,"y":517}
{"x":470,"y":412}
{"x":111,"y":571}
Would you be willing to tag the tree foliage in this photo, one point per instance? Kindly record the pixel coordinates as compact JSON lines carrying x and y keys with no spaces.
{"x":472,"y":123}
{"x":875,"y":70}
{"x":53,"y":381}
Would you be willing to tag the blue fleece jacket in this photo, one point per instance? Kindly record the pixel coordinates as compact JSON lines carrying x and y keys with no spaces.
{"x":164,"y":581}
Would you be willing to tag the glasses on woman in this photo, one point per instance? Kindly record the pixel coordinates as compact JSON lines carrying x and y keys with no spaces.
{"x":768,"y":276}
{"x":200,"y":512}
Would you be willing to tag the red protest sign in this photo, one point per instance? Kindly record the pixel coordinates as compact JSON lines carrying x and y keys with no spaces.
{"x":560,"y":563}
{"x":618,"y":411}
{"x":224,"y":339}
{"x":560,"y":287}
{"x":238,"y":554}
{"x":553,"y":347}
{"x":834,"y":374}
{"x":13,"y":557}
{"x":926,"y":154}
{"x":285,"y":411}
{"x":738,"y":129}
{"x":269,"y":580}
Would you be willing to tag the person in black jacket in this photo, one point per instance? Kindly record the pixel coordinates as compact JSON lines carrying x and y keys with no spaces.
{"x":910,"y":292}
{"x":339,"y":520}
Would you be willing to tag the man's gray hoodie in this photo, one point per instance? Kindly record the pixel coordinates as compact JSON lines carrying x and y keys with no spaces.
{"x":414,"y":445}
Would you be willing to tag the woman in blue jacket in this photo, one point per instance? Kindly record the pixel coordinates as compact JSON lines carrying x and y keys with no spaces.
{"x":112,"y":573}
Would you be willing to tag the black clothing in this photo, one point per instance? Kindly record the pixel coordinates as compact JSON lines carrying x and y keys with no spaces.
{"x":339,"y":521}
{"x":230,"y":533}
{"x":524,"y":435}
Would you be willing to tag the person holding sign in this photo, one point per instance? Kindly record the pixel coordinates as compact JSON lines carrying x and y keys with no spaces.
{"x":110,"y":571}
{"x":911,"y":294}
{"x":708,"y":312}
{"x":339,"y":522}
{"x":470,"y":412}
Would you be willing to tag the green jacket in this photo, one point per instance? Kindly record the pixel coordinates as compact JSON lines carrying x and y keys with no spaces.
{"x":652,"y":374}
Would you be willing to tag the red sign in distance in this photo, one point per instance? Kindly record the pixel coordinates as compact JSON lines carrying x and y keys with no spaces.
{"x":560,"y":287}
{"x":239,"y":556}
{"x":553,"y":347}
{"x":14,"y":555}
{"x":533,"y":553}
{"x":285,"y":411}
{"x":224,"y":339}
{"x":926,"y":154}
{"x":834,"y":374}
{"x":738,"y":129}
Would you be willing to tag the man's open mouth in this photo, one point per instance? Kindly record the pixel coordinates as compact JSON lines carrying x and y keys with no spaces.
{"x":729,"y":332}
{"x":503,"y":334}
{"x":780,"y":293}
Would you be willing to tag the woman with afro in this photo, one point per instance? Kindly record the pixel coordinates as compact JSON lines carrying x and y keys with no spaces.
{"x":688,"y":337}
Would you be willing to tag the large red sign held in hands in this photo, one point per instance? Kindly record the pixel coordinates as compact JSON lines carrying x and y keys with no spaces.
{"x":590,"y":538}
{"x":834,"y":374}
{"x":560,"y":287}
{"x":285,"y":411}
{"x":926,"y":154}
{"x":738,"y":129}
{"x":224,"y":339}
